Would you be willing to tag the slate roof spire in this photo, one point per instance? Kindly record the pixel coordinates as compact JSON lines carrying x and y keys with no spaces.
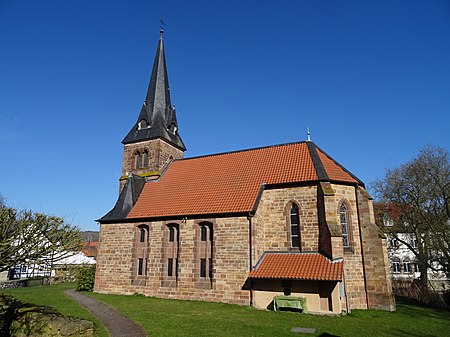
{"x":157,"y":118}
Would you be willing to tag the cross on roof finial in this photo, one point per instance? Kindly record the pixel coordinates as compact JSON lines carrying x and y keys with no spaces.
{"x":161,"y":25}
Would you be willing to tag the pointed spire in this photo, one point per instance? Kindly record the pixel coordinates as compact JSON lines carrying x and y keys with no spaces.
{"x":157,"y":118}
{"x":308,"y":135}
{"x":158,"y":93}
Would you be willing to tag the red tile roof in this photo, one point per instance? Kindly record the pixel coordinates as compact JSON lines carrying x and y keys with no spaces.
{"x":90,"y":249}
{"x":297,"y":266}
{"x":334,"y":171}
{"x":229,"y":182}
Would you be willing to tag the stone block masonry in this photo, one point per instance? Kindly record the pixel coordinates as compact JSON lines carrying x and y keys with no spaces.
{"x":230,"y":261}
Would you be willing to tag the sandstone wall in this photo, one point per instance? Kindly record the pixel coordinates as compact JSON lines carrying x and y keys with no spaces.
{"x":116,"y":270}
{"x":159,"y":154}
{"x":378,"y":277}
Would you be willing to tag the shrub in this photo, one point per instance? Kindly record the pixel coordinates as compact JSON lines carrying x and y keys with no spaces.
{"x":86,"y":278}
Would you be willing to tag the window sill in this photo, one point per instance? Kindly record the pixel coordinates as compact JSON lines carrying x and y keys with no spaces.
{"x":203,"y":284}
{"x":169,"y":282}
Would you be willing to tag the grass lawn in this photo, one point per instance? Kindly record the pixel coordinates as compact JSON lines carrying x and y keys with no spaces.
{"x":162,"y":317}
{"x":53,"y":296}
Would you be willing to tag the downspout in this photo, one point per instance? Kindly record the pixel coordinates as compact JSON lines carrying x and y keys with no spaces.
{"x":250,"y":245}
{"x":362,"y":250}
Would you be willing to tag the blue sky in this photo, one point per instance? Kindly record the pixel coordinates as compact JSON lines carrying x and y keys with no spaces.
{"x":371,"y":79}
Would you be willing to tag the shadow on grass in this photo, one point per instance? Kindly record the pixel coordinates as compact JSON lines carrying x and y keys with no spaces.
{"x":414,"y":308}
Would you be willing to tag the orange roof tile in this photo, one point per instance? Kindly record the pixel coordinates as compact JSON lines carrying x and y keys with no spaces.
{"x":90,"y":248}
{"x":298,"y":266}
{"x":334,"y":171}
{"x":228,"y":182}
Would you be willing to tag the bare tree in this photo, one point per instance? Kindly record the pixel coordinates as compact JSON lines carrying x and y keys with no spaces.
{"x":420,"y":189}
{"x":30,"y":236}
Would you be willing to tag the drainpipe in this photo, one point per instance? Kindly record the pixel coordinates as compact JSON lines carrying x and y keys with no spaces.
{"x":250,"y":245}
{"x":361,"y":244}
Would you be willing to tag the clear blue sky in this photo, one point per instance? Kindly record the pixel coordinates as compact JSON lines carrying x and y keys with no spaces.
{"x":371,"y":79}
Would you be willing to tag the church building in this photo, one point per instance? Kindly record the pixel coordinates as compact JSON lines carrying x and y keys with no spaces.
{"x":238,"y":227}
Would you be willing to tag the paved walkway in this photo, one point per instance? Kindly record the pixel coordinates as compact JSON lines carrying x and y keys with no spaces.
{"x":117,"y":324}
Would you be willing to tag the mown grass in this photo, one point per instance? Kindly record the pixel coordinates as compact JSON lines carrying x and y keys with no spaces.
{"x":163,"y":317}
{"x":53,"y":296}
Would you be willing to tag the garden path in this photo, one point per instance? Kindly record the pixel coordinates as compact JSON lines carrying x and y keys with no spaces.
{"x":117,"y":324}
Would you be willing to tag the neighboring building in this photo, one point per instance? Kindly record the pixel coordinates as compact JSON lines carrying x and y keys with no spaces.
{"x":90,"y":249}
{"x":402,"y":260}
{"x":47,"y":266}
{"x":238,"y":227}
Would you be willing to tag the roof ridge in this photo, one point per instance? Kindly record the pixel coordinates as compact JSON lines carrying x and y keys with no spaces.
{"x":341,"y":166}
{"x":318,"y":165}
{"x":243,"y":150}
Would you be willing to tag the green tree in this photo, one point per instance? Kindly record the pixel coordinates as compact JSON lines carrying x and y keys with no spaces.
{"x":30,"y":236}
{"x":420,"y":189}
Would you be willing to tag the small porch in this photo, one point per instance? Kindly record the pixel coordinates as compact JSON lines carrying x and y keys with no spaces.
{"x":287,"y":276}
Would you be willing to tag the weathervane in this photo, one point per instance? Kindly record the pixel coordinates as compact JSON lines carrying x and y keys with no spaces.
{"x":161,"y":25}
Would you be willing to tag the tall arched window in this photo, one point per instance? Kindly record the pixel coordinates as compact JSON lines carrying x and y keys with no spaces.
{"x":172,"y":246}
{"x":138,"y":160}
{"x":343,"y":212}
{"x":204,"y":251}
{"x":294,"y":221}
{"x":141,"y":253}
{"x":145,"y":158}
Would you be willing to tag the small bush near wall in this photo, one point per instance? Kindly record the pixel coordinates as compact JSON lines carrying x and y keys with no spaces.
{"x":86,"y":278}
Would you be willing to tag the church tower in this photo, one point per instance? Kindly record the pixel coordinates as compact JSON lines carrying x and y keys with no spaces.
{"x":153,"y":141}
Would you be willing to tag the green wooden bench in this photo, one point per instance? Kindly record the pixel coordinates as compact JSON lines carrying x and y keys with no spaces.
{"x":291,"y":302}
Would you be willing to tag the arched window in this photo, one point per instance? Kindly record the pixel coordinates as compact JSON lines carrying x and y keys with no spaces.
{"x":407,"y":265}
{"x":396,"y":265}
{"x":294,"y":221}
{"x":343,"y":214}
{"x":204,"y":252}
{"x":141,"y":253}
{"x":142,"y":124}
{"x":143,"y":233}
{"x":387,"y":220}
{"x":172,"y":246}
{"x":145,"y":158}
{"x":138,"y":160}
{"x":394,"y":243}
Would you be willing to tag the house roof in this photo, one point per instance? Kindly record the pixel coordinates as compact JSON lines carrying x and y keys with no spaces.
{"x":297,"y":266}
{"x":232,"y":182}
{"x":90,"y":249}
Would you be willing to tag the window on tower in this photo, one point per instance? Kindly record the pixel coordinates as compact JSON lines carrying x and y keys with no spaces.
{"x":137,"y":160}
{"x":145,"y":158}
